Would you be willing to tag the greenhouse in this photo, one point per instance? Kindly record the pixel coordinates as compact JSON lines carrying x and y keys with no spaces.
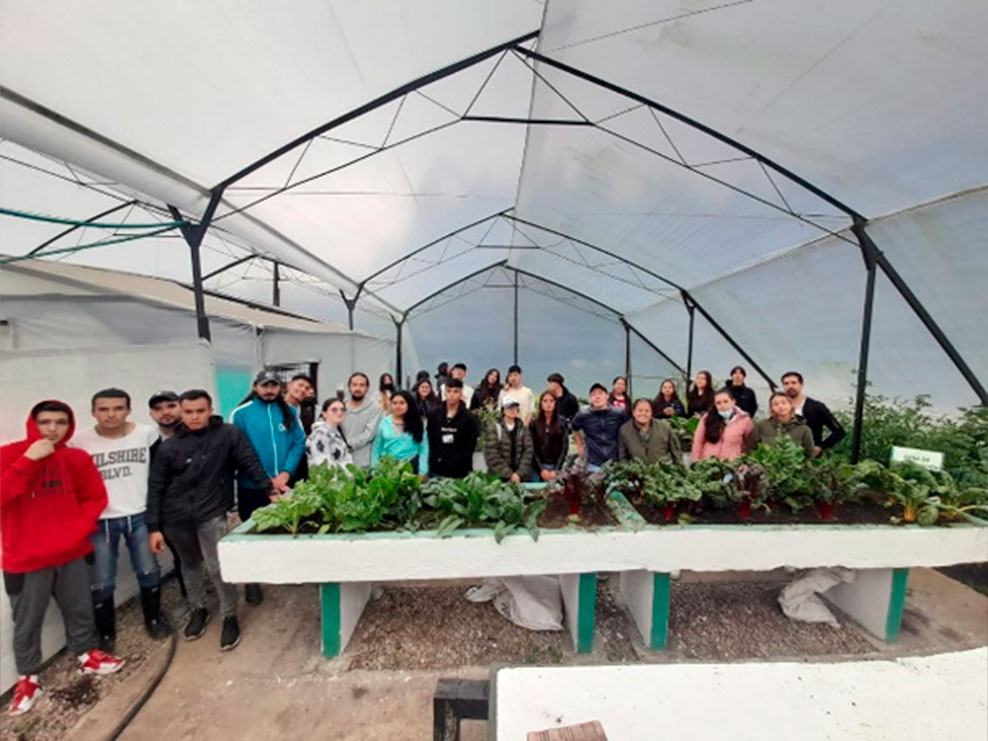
{"x":194,"y":195}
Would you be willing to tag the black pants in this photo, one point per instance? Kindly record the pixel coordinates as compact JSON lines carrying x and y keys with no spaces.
{"x":250,"y":499}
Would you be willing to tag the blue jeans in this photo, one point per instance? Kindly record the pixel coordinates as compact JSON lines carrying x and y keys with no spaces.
{"x":106,"y":545}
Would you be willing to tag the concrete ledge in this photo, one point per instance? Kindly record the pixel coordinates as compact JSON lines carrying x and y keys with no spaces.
{"x":283,"y":559}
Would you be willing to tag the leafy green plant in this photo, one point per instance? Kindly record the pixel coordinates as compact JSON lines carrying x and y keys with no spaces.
{"x":887,"y":421}
{"x":288,"y":512}
{"x":480,"y":500}
{"x":786,"y":476}
{"x":664,"y":486}
{"x":833,"y":482}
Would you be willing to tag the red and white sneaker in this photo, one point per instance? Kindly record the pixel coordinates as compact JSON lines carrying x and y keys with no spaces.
{"x":99,"y":662}
{"x":27,"y":693}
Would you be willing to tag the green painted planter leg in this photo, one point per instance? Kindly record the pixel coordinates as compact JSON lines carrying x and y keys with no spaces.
{"x":585,"y":616}
{"x":660,"y":611}
{"x":329,"y":598}
{"x":897,"y":604}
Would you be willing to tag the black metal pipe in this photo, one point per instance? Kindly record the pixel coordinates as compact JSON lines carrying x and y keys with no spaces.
{"x":399,"y":382}
{"x":627,"y":358}
{"x":276,"y":292}
{"x":689,"y":347}
{"x":395,"y":94}
{"x":917,"y":306}
{"x":862,"y":387}
{"x":516,"y":319}
{"x":655,"y":347}
{"x":672,"y":113}
{"x":731,"y":341}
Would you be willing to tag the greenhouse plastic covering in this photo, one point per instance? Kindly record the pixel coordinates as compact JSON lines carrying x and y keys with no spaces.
{"x":620,"y":162}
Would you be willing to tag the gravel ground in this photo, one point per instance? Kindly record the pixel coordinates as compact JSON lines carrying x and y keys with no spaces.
{"x":438,"y":628}
{"x":69,"y":695}
{"x":731,"y":621}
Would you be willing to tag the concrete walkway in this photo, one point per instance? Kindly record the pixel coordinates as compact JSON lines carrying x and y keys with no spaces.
{"x":276,"y":684}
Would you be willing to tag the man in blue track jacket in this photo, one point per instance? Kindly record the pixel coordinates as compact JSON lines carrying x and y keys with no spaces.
{"x":275,"y":432}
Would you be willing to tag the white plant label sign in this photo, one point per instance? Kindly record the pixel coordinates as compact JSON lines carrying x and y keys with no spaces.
{"x":929,"y":459}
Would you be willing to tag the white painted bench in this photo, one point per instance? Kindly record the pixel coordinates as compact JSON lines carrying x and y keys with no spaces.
{"x":943,"y":697}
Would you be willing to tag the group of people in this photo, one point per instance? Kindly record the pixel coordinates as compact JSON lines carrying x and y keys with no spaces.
{"x":69,"y":497}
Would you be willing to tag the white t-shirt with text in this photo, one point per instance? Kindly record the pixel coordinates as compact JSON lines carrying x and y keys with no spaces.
{"x":124,"y":464}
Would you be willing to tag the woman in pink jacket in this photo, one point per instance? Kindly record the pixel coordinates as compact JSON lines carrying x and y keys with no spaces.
{"x":722,"y":431}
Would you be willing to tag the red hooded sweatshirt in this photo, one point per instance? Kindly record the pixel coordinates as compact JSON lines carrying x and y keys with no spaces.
{"x":48,"y":508}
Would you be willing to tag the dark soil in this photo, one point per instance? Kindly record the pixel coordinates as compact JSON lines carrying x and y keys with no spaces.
{"x":853,"y":514}
{"x":592,"y":514}
{"x":83,"y":692}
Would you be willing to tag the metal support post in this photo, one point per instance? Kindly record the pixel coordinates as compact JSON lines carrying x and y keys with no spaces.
{"x":689,"y":347}
{"x":627,"y":357}
{"x":862,"y":384}
{"x":276,"y":293}
{"x":516,"y":318}
{"x":398,"y":326}
{"x":193,"y":237}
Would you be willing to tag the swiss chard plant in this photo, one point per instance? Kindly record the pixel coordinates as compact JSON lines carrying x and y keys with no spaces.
{"x":480,"y":500}
{"x":786,"y":476}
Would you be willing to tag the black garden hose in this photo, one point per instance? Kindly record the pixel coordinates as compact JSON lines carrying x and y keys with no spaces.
{"x":148,"y":691}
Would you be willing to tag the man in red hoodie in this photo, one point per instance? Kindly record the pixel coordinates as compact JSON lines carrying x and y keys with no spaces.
{"x":51,"y":497}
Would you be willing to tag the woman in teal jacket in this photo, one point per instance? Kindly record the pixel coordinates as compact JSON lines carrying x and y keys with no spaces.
{"x":401,"y":435}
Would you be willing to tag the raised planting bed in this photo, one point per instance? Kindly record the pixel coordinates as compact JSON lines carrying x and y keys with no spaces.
{"x":345,"y":564}
{"x":516,"y":539}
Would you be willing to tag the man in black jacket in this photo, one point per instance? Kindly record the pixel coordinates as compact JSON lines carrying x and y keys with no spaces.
{"x":453,"y":432}
{"x":567,"y":405}
{"x":744,"y":397}
{"x":815,"y":413}
{"x":189,"y":495}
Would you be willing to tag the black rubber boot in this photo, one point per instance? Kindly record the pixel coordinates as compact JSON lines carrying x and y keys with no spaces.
{"x":105,"y":615}
{"x":156,"y":624}
{"x":253,"y":594}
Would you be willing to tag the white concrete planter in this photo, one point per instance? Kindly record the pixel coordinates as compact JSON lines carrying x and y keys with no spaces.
{"x":645,"y":554}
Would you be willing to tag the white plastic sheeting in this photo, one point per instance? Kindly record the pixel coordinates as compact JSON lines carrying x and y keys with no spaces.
{"x":880,"y":105}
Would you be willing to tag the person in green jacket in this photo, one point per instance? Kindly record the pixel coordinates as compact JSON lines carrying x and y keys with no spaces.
{"x":648,"y":439}
{"x":508,"y":447}
{"x":783,"y":421}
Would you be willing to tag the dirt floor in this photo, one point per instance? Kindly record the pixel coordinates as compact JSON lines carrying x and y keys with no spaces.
{"x":276,"y":684}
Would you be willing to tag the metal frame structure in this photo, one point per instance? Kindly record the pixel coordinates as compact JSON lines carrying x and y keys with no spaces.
{"x":874,"y":259}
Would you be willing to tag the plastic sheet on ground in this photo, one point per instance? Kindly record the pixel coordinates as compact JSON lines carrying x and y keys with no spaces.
{"x":800,"y":601}
{"x":533,"y":602}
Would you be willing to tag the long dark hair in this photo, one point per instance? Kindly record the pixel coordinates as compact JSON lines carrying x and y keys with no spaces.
{"x":287,"y":415}
{"x":380,"y":382}
{"x":412,"y":420}
{"x":556,"y":426}
{"x":706,"y":399}
{"x":714,"y":424}
{"x":487,"y":391}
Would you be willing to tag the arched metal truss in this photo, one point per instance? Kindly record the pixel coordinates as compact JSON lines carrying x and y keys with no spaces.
{"x":873,"y":257}
{"x":461,"y":285}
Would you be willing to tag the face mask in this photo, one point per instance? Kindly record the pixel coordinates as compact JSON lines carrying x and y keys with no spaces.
{"x":727,"y":414}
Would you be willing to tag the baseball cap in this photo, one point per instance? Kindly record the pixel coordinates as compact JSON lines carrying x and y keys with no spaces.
{"x":600,"y":386}
{"x":509,"y":402}
{"x":266,"y":376}
{"x":159,"y":396}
